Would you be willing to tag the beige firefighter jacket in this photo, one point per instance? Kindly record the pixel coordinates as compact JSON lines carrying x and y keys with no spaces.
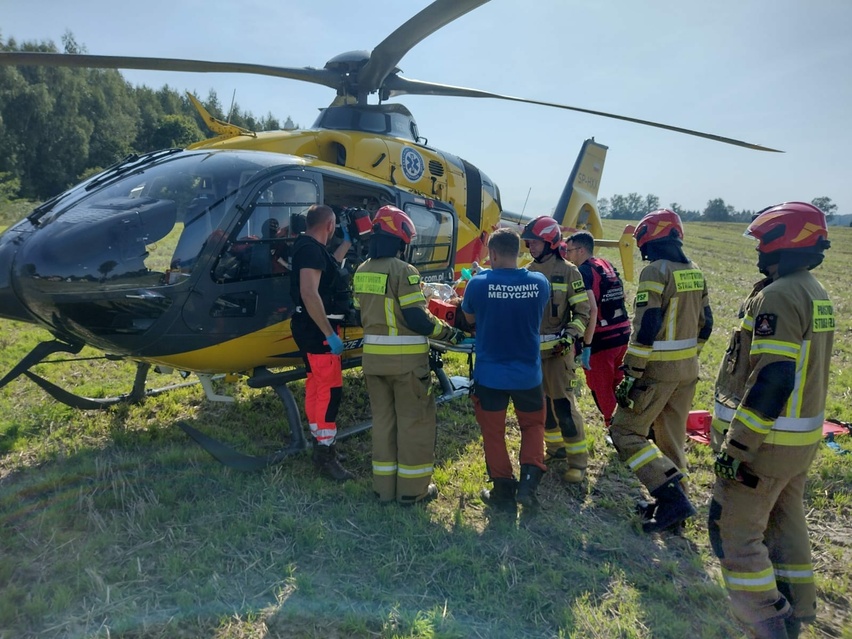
{"x":791,"y":318}
{"x":383,"y":288}
{"x":680,"y":292}
{"x":569,"y":307}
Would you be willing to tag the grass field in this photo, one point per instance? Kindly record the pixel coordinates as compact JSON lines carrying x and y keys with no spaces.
{"x":114,"y":524}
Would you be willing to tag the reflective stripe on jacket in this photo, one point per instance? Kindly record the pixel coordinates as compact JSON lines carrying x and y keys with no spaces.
{"x":679,"y":291}
{"x":790,"y":318}
{"x":384,"y":287}
{"x":569,"y":306}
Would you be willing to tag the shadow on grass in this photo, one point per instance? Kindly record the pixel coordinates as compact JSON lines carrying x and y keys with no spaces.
{"x":140,"y":533}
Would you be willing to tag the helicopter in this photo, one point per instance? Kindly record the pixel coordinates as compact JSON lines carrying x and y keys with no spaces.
{"x":178,"y":259}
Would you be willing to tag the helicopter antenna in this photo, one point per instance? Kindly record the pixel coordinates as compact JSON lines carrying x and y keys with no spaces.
{"x":525,"y":201}
{"x":231,"y":110}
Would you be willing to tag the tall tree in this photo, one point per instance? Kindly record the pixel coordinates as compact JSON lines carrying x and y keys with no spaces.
{"x":717,"y":211}
{"x":632,"y":206}
{"x":825,"y":205}
{"x":603,"y":206}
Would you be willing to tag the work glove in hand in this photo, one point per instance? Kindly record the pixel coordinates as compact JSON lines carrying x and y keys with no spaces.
{"x":586,"y":358}
{"x":727,"y":467}
{"x":334,"y":343}
{"x":563,"y":345}
{"x":346,"y":236}
{"x":623,"y":390}
{"x":457,"y":336}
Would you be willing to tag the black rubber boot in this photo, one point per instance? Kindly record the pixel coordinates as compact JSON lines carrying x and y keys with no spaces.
{"x":530,"y":477}
{"x":646,"y":509}
{"x":502,"y":495}
{"x":673,"y":507}
{"x":772,"y":628}
{"x":794,"y":627}
{"x":430,"y":495}
{"x":325,"y":459}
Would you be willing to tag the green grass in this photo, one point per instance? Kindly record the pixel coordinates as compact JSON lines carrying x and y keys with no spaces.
{"x":113,"y":524}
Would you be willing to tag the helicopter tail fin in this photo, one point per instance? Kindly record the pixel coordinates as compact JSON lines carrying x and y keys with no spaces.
{"x":577,"y":207}
{"x":578,"y":204}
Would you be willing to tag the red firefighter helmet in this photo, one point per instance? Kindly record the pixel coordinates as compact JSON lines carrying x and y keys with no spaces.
{"x":389,"y":220}
{"x":791,"y":225}
{"x":543,"y":228}
{"x":658,"y":225}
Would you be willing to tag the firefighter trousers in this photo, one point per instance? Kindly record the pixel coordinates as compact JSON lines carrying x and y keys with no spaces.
{"x":490,"y":405}
{"x":564,"y":427}
{"x":760,"y":536}
{"x":665,"y":407}
{"x":604,"y":377}
{"x":403,"y":434}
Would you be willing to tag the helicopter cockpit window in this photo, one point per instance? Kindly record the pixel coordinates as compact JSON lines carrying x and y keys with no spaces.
{"x":432,"y":247}
{"x":133,"y":230}
{"x":263,"y":239}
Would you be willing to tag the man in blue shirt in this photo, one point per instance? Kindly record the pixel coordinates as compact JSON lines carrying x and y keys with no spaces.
{"x":506,"y":304}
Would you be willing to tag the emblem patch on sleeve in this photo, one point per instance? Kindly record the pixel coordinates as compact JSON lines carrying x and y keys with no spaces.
{"x":578,"y":285}
{"x":765,"y":324}
{"x":413,"y":279}
{"x":641,"y":299}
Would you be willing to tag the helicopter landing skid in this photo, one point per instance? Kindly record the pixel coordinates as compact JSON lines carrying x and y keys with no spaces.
{"x":206,"y":381}
{"x":451,"y":388}
{"x":43,"y":349}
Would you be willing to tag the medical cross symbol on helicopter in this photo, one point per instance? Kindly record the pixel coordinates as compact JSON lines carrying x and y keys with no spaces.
{"x":412,"y":164}
{"x":180,"y":257}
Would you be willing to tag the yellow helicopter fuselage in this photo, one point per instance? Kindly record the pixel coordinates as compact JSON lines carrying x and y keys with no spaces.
{"x":395,"y":162}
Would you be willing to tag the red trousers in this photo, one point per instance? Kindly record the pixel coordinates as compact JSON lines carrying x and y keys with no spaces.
{"x":490,"y":406}
{"x":323,"y":391}
{"x":604,"y":377}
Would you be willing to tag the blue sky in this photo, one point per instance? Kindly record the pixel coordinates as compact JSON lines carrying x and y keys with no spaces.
{"x":772,"y":72}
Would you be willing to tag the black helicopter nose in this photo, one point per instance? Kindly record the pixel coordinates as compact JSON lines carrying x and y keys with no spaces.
{"x":11,"y":306}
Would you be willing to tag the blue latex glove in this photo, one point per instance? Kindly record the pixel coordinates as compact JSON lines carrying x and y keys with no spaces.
{"x":346,"y":238}
{"x":586,"y":357}
{"x":334,"y":343}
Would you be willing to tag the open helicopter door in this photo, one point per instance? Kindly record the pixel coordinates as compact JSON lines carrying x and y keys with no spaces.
{"x":577,"y":207}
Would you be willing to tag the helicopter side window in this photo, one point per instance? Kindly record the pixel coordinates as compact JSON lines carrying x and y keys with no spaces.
{"x":202,"y":209}
{"x":373,"y":122}
{"x":263,"y":239}
{"x":432,"y":247}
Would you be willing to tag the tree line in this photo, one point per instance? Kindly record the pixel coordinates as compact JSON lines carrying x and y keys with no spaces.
{"x":58,"y":125}
{"x":634,"y":206}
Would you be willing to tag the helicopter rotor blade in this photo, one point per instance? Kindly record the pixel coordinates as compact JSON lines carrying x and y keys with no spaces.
{"x":76,"y":60}
{"x":389,"y":52}
{"x":405,"y":86}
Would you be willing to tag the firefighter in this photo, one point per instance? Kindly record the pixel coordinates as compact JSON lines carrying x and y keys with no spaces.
{"x":672,"y":320}
{"x":606,"y":337}
{"x":564,"y":323}
{"x":770,"y":402}
{"x":397,"y":326}
{"x":320,"y":305}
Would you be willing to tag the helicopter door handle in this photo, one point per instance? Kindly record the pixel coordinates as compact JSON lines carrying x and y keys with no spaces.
{"x":145,"y":295}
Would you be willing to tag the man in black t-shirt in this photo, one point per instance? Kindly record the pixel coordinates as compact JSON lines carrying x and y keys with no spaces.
{"x":314,"y":285}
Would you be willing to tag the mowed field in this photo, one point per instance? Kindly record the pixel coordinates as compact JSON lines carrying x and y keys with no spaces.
{"x":114,"y":524}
